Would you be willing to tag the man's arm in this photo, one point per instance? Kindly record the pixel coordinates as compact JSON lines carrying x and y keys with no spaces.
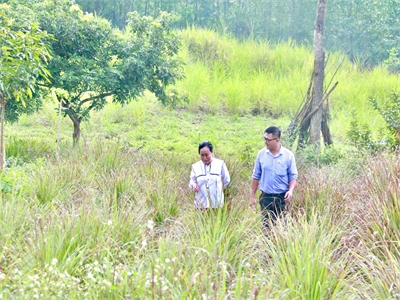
{"x":254,"y":187}
{"x":292,"y":178}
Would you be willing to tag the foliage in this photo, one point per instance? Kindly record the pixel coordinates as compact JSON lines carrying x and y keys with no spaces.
{"x":23,"y":58}
{"x":24,"y":150}
{"x":390,"y":111}
{"x":271,"y":79}
{"x":360,"y":135}
{"x":114,"y":218}
{"x":363,"y":29}
{"x":15,"y":109}
{"x":24,"y":55}
{"x":393,"y":62}
{"x":324,"y":156}
{"x":93,"y":62}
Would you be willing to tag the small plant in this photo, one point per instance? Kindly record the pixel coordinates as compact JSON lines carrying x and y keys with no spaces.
{"x":247,"y":153}
{"x":9,"y":183}
{"x":26,"y":150}
{"x":360,"y":136}
{"x":325,"y":156}
{"x":390,"y":111}
{"x":6,"y":187}
{"x":393,"y":62}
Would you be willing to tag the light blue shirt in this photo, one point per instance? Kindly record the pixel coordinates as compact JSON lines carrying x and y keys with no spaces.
{"x":275,"y":172}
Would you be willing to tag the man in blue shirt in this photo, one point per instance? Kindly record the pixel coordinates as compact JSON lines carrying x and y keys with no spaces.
{"x":275,"y":174}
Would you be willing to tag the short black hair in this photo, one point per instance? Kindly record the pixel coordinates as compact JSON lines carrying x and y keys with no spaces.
{"x":276,"y":132}
{"x":205,"y":144}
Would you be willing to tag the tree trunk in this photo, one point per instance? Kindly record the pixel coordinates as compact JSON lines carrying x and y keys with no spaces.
{"x":318,"y":75}
{"x":77,"y":128}
{"x":77,"y":132}
{"x":2,"y":144}
{"x":326,"y":133}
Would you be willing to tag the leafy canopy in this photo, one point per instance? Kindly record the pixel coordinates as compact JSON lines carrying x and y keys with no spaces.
{"x":23,"y":58}
{"x":93,"y":62}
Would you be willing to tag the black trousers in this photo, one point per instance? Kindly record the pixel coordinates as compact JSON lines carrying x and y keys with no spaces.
{"x":272,"y":206}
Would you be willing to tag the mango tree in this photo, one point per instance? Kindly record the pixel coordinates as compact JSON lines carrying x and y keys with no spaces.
{"x":94,"y":63}
{"x":23,"y":57}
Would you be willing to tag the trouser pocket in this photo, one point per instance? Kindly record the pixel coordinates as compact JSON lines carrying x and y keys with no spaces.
{"x":271,"y":207}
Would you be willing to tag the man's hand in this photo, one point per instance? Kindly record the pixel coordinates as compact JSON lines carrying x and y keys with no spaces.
{"x":254,"y":186}
{"x":252,"y":202}
{"x":288,"y":196}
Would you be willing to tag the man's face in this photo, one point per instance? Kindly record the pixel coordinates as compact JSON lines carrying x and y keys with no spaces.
{"x":271,"y":142}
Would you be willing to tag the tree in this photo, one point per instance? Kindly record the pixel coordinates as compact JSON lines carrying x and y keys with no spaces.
{"x":364,"y":29}
{"x":318,"y":75}
{"x":23,"y":57}
{"x":93,"y":62}
{"x":312,"y":117}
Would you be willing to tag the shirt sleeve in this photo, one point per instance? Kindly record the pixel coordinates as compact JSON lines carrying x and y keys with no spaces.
{"x":226,"y":178}
{"x":257,"y":168}
{"x":292,"y":170}
{"x":192,"y":178}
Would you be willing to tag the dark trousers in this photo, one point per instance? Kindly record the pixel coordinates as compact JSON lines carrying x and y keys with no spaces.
{"x":272,"y":206}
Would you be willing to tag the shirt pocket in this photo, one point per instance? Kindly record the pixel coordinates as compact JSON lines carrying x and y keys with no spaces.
{"x":281,"y":169}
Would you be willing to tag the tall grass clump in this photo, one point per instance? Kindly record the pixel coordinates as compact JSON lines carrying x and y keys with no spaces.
{"x":242,"y":62}
{"x":208,"y":244}
{"x":382,"y":181}
{"x":376,"y":210}
{"x":21,"y":150}
{"x":304,"y":263}
{"x":206,"y":46}
{"x":379,"y":274}
{"x":234,"y":96}
{"x":197,"y":80}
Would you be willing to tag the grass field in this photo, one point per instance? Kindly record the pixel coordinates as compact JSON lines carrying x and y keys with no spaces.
{"x":114,"y":219}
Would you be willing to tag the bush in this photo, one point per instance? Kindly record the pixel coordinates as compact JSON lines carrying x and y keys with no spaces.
{"x":393,"y":62}
{"x":390,"y":111}
{"x":21,"y":151}
{"x":324,"y":156}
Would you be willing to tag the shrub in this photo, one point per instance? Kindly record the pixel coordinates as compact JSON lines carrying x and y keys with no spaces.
{"x":324,"y":156}
{"x":393,"y":62}
{"x":390,"y":111}
{"x":21,"y":150}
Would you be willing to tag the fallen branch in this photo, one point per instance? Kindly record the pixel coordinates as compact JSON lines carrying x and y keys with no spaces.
{"x":317,"y":107}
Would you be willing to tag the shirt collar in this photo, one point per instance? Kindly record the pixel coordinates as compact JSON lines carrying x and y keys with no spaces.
{"x":279,"y":152}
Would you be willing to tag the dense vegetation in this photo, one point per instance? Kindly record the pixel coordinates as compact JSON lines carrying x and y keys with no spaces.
{"x":366,"y":30}
{"x":116,"y":220}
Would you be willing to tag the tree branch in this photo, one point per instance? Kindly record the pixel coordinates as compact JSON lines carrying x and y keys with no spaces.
{"x":319,"y":104}
{"x":96,"y":97}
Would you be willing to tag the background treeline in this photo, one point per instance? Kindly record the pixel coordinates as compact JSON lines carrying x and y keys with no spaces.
{"x":366,"y":30}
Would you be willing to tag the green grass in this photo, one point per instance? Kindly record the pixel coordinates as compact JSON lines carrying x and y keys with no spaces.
{"x":110,"y":219}
{"x":225,"y":75}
